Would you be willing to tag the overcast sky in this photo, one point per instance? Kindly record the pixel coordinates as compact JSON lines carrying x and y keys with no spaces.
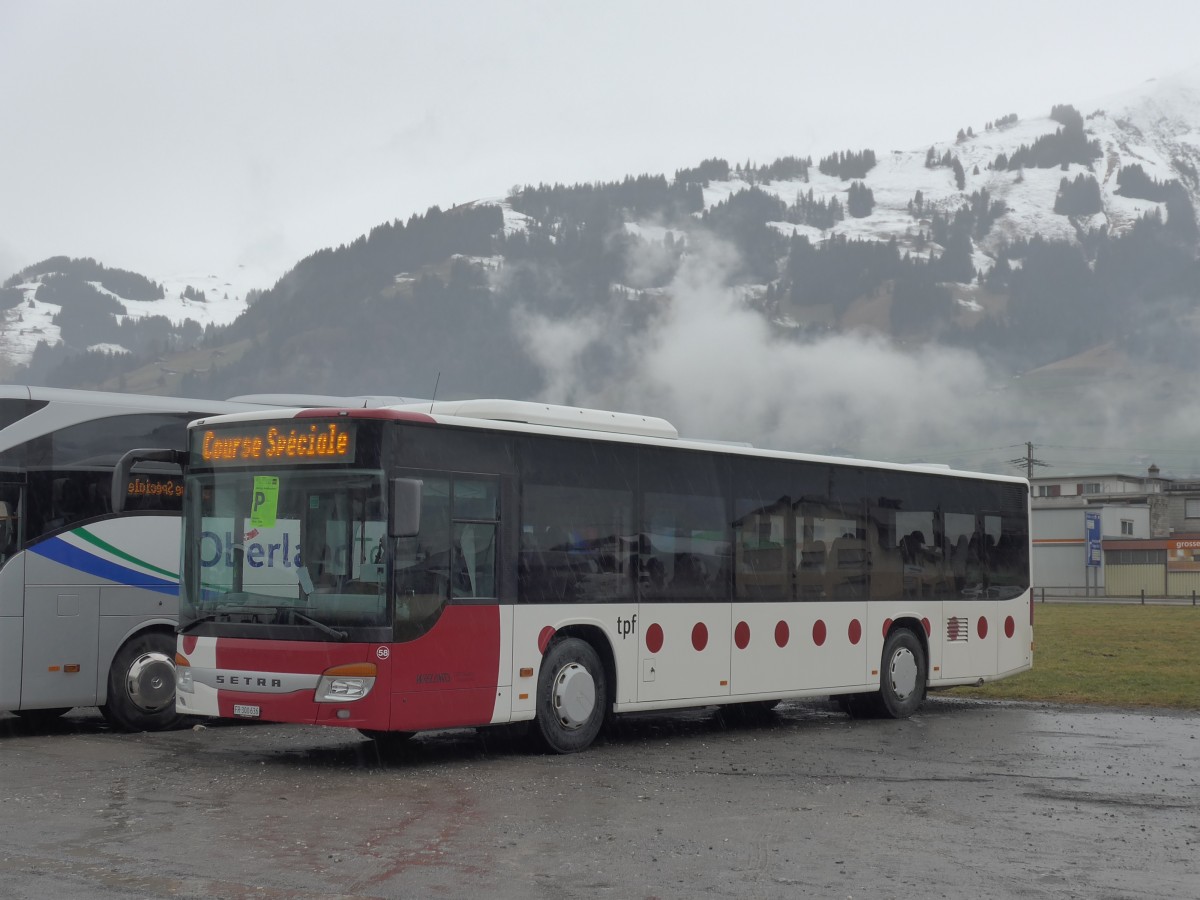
{"x":171,"y":138}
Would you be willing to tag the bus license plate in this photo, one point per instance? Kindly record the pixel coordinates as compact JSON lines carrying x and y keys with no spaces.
{"x":250,"y":712}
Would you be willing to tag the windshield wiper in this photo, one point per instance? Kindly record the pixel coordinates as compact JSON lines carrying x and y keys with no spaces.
{"x":321,"y":626}
{"x":335,"y":633}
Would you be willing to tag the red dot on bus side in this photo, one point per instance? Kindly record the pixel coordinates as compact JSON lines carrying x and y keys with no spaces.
{"x":982,"y":627}
{"x":700,"y":636}
{"x":887,"y":626}
{"x":1010,"y":627}
{"x":654,"y":638}
{"x":854,"y":632}
{"x":928,"y":628}
{"x":818,"y":632}
{"x":741,"y":635}
{"x":544,"y":638}
{"x":782,"y":634}
{"x":952,"y":629}
{"x":189,"y":643}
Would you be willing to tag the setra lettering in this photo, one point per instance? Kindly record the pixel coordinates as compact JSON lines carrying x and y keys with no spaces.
{"x":248,"y":681}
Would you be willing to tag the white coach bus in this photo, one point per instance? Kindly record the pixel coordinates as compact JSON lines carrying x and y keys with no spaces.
{"x":88,"y":597}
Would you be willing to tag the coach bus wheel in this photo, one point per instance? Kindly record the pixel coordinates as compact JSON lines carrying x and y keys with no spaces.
{"x":902,"y":676}
{"x":141,"y":684}
{"x":571,"y":698}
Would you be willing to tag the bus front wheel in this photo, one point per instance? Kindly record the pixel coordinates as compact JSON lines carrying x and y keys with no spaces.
{"x":571,"y":698}
{"x":141,"y":684}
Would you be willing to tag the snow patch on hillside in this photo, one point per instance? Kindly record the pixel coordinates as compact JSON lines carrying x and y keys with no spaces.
{"x":1156,"y":126}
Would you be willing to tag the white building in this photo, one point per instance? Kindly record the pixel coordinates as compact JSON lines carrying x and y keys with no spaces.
{"x":1128,"y":507}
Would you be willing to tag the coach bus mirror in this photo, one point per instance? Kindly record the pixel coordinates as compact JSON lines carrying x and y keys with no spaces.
{"x":120,"y":480}
{"x":404,"y":507}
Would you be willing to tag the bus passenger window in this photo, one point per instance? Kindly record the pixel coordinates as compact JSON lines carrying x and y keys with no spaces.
{"x":9,"y":532}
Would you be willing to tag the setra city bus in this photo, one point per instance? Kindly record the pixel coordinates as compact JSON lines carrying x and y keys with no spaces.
{"x":480,"y":562}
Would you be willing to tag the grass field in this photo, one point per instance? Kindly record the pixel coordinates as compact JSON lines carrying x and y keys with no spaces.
{"x":1146,"y":656}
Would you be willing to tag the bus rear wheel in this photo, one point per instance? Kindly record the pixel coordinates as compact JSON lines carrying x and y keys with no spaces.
{"x":141,"y":684}
{"x":571,"y":698}
{"x":902,"y":678}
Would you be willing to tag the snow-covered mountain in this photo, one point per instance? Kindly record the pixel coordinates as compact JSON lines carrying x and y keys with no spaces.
{"x":1155,"y":126}
{"x":31,"y":321}
{"x":376,"y":286}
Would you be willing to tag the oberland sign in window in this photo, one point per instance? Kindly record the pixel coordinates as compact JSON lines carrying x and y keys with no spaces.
{"x":271,"y":444}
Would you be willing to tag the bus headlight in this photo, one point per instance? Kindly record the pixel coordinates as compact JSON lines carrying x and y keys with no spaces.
{"x":183,"y":675}
{"x":343,"y":684}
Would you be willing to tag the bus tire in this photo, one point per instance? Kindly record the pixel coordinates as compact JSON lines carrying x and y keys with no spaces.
{"x":141,"y":684}
{"x":903,"y":674}
{"x":572,"y":696}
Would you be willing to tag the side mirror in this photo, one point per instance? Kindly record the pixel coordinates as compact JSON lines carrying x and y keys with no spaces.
{"x":120,"y":482}
{"x":404,"y":507}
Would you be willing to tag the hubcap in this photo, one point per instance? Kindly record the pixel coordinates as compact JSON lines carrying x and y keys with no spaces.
{"x":903,"y":673}
{"x":574,"y":695}
{"x":150,"y":681}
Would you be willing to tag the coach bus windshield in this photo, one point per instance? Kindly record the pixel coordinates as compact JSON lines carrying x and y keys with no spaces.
{"x":286,"y":548}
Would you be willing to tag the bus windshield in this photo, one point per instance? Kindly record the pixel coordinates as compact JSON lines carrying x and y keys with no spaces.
{"x":288,"y":547}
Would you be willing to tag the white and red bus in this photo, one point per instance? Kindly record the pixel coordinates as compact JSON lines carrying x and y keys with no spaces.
{"x":473,"y":563}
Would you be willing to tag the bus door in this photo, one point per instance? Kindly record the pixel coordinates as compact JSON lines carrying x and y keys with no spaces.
{"x":684,"y":559}
{"x":12,"y":593}
{"x":969,"y":628}
{"x":454,"y":655}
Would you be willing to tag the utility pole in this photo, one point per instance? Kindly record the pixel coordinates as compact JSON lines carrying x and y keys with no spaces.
{"x":1027,"y":461}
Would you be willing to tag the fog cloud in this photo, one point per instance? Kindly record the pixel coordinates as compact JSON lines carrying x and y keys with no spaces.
{"x":716,"y":368}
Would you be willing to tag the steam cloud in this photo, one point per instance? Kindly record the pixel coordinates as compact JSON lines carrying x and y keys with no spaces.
{"x":713,"y":366}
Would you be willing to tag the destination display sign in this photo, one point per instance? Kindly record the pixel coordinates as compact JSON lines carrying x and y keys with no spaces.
{"x":272,"y":443}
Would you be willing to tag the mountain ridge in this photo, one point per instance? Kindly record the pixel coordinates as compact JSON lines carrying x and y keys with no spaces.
{"x":563,"y":292}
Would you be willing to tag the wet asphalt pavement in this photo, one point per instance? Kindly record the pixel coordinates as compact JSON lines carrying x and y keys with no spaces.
{"x":966,"y":799}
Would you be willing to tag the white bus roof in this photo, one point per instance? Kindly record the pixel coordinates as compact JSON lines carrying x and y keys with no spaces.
{"x":511,"y":415}
{"x":358,"y":401}
{"x":527,"y":413}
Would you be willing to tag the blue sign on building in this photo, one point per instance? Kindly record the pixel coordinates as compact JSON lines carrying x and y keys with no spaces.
{"x":1092,"y":527}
